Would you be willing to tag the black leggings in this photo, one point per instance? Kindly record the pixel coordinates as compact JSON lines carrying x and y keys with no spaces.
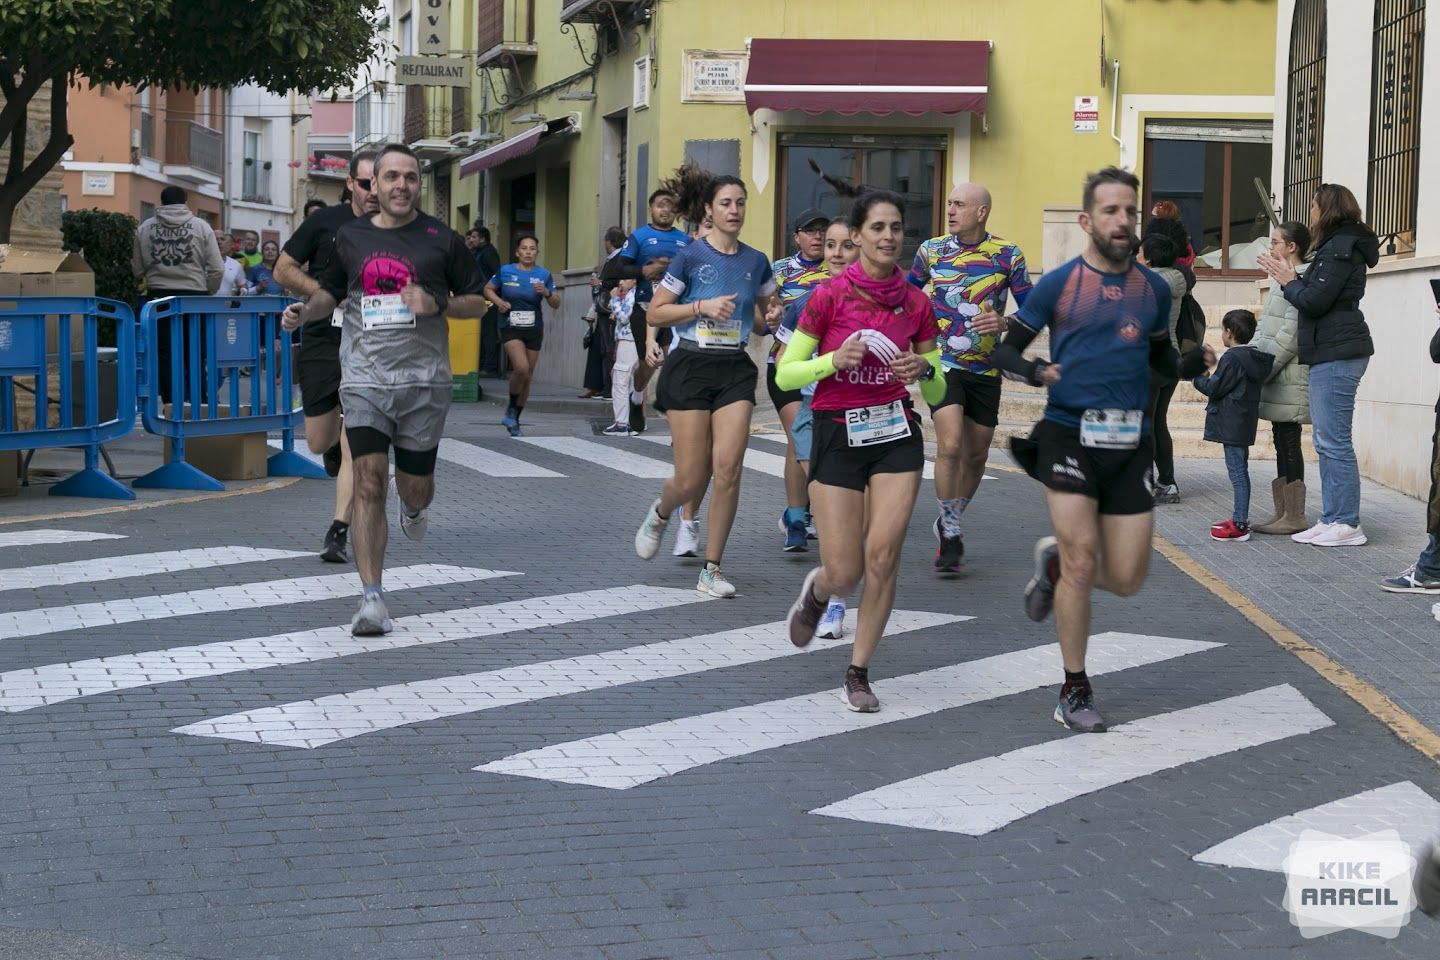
{"x":1289,"y":460}
{"x":1161,"y":391}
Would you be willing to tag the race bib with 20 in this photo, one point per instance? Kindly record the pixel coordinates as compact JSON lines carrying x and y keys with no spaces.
{"x":1111,"y":429}
{"x":522,"y":318}
{"x":714,"y":334}
{"x":385,"y":311}
{"x":867,"y":426}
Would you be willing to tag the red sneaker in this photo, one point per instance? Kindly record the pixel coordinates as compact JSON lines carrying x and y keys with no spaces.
{"x":1230,"y":530}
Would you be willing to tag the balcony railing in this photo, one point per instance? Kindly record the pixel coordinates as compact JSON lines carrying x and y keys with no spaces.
{"x":191,"y":144}
{"x":606,"y":12}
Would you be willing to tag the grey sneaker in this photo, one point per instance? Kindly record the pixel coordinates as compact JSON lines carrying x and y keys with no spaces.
{"x":715,"y":583}
{"x":1427,"y":880}
{"x":1040,"y":591}
{"x":1076,"y":711}
{"x":857,"y":694}
{"x":372,"y":619}
{"x":652,"y":528}
{"x":1167,"y":493}
{"x":1411,"y":581}
{"x":805,"y":612}
{"x":414,"y":527}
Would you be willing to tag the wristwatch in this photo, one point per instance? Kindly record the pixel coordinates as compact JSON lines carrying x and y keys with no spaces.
{"x":928,"y":375}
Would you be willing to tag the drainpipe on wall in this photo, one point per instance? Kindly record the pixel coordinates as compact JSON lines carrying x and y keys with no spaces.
{"x":1115,"y":103}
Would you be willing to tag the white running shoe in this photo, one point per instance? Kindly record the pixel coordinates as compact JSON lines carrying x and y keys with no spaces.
{"x":372,"y":619}
{"x":832,"y":624}
{"x":715,"y":583}
{"x":1340,"y":535}
{"x":687,"y":538}
{"x":652,"y":528}
{"x":414,"y":527}
{"x":1308,"y":536}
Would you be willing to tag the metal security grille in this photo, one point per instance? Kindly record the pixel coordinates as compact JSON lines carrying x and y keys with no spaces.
{"x":1394,"y":185}
{"x":1305,"y":107}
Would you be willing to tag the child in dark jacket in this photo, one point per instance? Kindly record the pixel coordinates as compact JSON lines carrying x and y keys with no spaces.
{"x":1233,"y":411}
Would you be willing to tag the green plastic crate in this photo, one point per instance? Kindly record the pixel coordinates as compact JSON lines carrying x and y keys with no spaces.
{"x":465,"y":388}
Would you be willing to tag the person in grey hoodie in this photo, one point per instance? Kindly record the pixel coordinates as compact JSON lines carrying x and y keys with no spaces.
{"x":1334,"y":341}
{"x":1233,"y":412}
{"x":176,"y":254}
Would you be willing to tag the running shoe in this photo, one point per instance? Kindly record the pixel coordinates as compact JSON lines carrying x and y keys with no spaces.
{"x":1230,"y":530}
{"x":805,"y":612}
{"x":1167,"y":493}
{"x":809,"y":525}
{"x":687,"y":538}
{"x":715,"y":583}
{"x":792,"y":524}
{"x":332,"y":460}
{"x":950,"y":557}
{"x":414,"y":527}
{"x":1411,"y":581}
{"x":515,"y":430}
{"x":857,"y":693}
{"x":1040,"y":591}
{"x":1306,"y":536}
{"x":335,"y":551}
{"x":1340,"y":535}
{"x":618,"y":430}
{"x":1427,"y":880}
{"x":637,"y":418}
{"x":511,"y":419}
{"x":832,"y":625}
{"x":372,"y":619}
{"x":652,"y":528}
{"x":1076,"y":711}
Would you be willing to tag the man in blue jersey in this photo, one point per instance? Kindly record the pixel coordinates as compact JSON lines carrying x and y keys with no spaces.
{"x":1109,"y":322}
{"x":646,"y":254}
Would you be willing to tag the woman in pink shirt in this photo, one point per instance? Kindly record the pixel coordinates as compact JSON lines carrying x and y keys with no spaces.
{"x":874,"y":335}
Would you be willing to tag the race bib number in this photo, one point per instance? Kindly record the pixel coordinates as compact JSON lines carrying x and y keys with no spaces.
{"x":1111,"y":429}
{"x":386,"y":311}
{"x":522,"y":318}
{"x":867,"y":426}
{"x":783,"y":334}
{"x":714,"y":334}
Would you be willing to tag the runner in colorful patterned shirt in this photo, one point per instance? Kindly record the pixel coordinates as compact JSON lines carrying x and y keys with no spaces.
{"x":797,"y":277}
{"x":970,"y":273}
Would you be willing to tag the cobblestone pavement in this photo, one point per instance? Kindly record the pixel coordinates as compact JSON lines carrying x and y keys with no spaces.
{"x":564,"y":751}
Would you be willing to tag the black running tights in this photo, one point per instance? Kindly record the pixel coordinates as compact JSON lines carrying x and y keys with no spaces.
{"x":1161,"y":390}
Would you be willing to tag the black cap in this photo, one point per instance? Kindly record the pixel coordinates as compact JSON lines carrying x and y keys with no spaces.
{"x":809,"y":216}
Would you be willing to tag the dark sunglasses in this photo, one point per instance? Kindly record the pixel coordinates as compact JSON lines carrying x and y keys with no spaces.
{"x":364,"y":183}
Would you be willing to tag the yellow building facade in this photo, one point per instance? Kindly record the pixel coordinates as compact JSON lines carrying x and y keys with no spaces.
{"x":579,"y":107}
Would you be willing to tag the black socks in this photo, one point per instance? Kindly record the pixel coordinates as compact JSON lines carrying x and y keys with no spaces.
{"x":1076,"y":679}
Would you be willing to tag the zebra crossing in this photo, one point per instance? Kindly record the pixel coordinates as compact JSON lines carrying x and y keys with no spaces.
{"x":973,"y":798}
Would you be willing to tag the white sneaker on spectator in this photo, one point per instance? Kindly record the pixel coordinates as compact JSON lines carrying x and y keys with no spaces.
{"x":1308,"y":536}
{"x":1340,"y":535}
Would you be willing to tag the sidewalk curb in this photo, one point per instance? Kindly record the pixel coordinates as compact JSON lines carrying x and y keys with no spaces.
{"x":278,"y":483}
{"x":1376,"y":703}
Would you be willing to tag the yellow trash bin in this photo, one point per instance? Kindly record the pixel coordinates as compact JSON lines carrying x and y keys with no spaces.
{"x":465,"y":359}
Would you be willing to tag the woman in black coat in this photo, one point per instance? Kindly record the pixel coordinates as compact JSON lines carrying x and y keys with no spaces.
{"x":1334,"y":341}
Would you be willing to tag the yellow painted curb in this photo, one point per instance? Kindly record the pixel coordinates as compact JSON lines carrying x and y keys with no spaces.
{"x":277,"y":484}
{"x":1379,"y":706}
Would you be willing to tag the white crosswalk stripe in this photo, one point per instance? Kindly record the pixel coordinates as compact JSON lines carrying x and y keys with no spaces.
{"x":984,"y":795}
{"x":643,"y":754}
{"x":1402,"y":807}
{"x":757,"y":460}
{"x":489,"y":462}
{"x":245,"y":596}
{"x":33,"y":538}
{"x":314,"y":723}
{"x":135,"y":565}
{"x":57,"y":682}
{"x":604,"y":455}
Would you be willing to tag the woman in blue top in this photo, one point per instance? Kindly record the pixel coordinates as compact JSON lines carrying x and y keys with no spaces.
{"x":709,"y":297}
{"x":518,"y":291}
{"x":260,"y":279}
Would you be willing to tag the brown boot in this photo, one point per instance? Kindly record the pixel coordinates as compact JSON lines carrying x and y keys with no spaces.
{"x":1277,"y":490}
{"x":1294,"y":520}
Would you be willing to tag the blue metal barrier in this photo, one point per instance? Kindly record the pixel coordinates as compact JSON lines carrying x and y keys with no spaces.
{"x":211,"y":341}
{"x":23,"y":354}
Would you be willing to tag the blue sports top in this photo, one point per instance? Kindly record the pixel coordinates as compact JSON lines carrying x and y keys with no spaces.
{"x":648,"y":244}
{"x":513,"y":284}
{"x":700,"y":272}
{"x":1101,"y":325}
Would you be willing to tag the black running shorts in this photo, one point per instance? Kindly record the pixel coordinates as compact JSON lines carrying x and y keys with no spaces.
{"x":691,"y":380}
{"x":837,"y":464}
{"x":980,"y":396}
{"x":1122,"y":481}
{"x":530,"y":336}
{"x":780,"y":398}
{"x":319,"y":368}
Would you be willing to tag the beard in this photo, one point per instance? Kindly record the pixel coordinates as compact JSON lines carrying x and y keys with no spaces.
{"x":1116,"y":250}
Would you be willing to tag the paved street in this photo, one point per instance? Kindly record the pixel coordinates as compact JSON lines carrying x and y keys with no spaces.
{"x":566,"y":752}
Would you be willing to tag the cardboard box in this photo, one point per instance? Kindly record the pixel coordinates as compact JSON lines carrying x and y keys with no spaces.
{"x":47,"y":273}
{"x":9,"y":473}
{"x":240,"y":457}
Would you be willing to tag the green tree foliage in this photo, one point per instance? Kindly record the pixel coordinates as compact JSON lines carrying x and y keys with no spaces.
{"x":104,"y":239}
{"x":280,"y":45}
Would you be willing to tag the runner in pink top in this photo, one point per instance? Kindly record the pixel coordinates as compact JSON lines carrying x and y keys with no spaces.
{"x":875,"y":335}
